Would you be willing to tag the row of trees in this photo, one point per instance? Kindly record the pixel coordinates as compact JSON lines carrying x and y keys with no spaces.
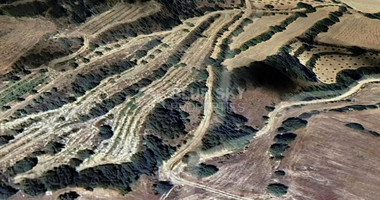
{"x":56,"y":98}
{"x":114,"y":176}
{"x":174,"y":59}
{"x":232,"y":127}
{"x":323,"y":25}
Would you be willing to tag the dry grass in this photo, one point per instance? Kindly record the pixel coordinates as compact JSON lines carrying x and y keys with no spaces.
{"x":119,"y":14}
{"x":368,"y":6}
{"x":354,"y":30}
{"x":332,"y":161}
{"x":264,"y":49}
{"x":18,"y":35}
{"x":259,"y":26}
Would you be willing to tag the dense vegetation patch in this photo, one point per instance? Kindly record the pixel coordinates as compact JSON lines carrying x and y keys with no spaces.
{"x":205,"y":170}
{"x":232,"y":127}
{"x":54,"y":147}
{"x":355,"y":126}
{"x":72,"y":195}
{"x":105,"y":131}
{"x":355,"y":108}
{"x":277,"y":189}
{"x":22,"y":166}
{"x":278,"y":149}
{"x":168,"y":119}
{"x":6,"y":190}
{"x":75,"y":12}
{"x":4,"y":139}
{"x":285,"y":138}
{"x":42,"y":53}
{"x":293,"y":123}
{"x":307,"y":115}
{"x":114,"y":176}
{"x":359,"y":127}
{"x":279,"y":173}
{"x":162,"y":187}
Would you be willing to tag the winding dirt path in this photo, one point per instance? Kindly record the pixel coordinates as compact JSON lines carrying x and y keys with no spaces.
{"x":274,"y":116}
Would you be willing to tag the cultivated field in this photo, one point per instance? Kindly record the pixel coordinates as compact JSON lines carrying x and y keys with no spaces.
{"x":354,"y":30}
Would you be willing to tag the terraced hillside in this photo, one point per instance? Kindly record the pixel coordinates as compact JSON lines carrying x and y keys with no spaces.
{"x":160,"y":99}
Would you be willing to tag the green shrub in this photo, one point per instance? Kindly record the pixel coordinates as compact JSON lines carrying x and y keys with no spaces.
{"x":277,"y":189}
{"x":54,"y":147}
{"x":278,"y":149}
{"x":105,"y":131}
{"x":72,"y":195}
{"x":285,"y":138}
{"x":22,"y":166}
{"x":293,"y":123}
{"x":204,"y":170}
{"x":162,"y":187}
{"x":4,"y":139}
{"x":279,"y":173}
{"x":355,"y":126}
{"x":6,"y":191}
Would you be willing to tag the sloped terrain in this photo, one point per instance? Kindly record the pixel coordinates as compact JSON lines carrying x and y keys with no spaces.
{"x":197,"y":99}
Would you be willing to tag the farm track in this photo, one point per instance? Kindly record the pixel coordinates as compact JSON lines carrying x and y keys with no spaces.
{"x":275,"y":117}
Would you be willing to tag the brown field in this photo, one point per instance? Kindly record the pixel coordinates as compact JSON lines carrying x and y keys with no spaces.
{"x":354,"y":30}
{"x":119,"y":14}
{"x":368,"y":6}
{"x":251,"y":104}
{"x":17,"y":36}
{"x":271,"y":47}
{"x":259,"y":26}
{"x":328,"y":155}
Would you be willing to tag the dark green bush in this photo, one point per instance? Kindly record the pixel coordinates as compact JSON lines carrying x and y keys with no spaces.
{"x":162,"y":187}
{"x":105,"y":131}
{"x":54,"y":147}
{"x":293,"y":123}
{"x":6,"y":191}
{"x":4,"y":139}
{"x":355,"y":126}
{"x":205,"y":170}
{"x":285,"y":138}
{"x":167,"y":119}
{"x":22,"y":166}
{"x":278,"y":149}
{"x":309,"y":8}
{"x":277,"y":189}
{"x":279,"y":173}
{"x":72,"y":195}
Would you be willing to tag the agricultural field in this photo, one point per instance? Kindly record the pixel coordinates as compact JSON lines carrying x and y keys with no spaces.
{"x":206,"y":99}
